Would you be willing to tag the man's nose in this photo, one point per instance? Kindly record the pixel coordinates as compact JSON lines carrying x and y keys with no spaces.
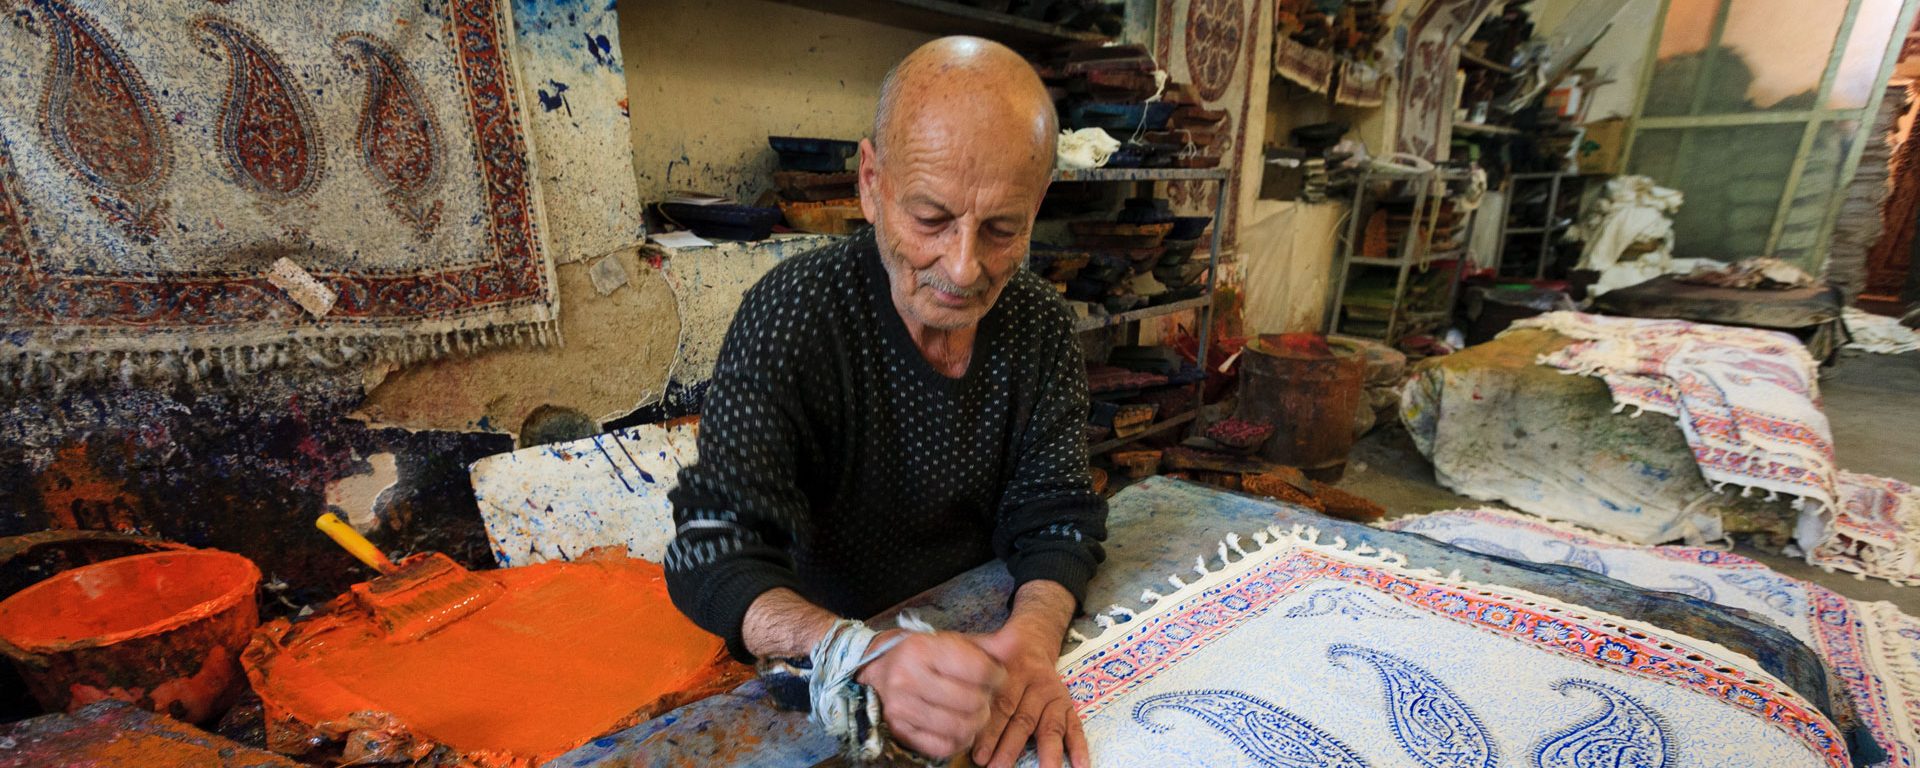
{"x":963,"y":265}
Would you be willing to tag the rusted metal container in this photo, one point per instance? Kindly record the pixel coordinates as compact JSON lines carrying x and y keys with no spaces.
{"x":163,"y":631}
{"x":1309,"y":394}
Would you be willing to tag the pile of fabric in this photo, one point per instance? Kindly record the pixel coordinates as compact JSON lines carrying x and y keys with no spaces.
{"x":1629,"y":234}
{"x":1760,"y":273}
{"x":1867,"y":648}
{"x":1333,"y":646}
{"x":1879,"y":334}
{"x":1747,"y":401}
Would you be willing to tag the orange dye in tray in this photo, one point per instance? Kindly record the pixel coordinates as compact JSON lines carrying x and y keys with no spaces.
{"x":567,"y":652}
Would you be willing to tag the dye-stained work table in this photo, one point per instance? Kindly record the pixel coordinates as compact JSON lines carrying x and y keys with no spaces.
{"x":1157,"y":527}
{"x":113,"y":732}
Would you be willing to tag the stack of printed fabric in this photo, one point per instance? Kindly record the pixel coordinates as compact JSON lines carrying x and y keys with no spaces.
{"x":1290,"y":639}
{"x":1743,"y":447}
{"x":1871,"y":650}
{"x":1334,"y":645}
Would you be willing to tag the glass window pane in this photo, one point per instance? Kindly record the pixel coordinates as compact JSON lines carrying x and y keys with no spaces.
{"x":1866,"y":48}
{"x":1800,"y":239}
{"x":1771,"y":56}
{"x":1684,"y":36}
{"x":1733,"y":179}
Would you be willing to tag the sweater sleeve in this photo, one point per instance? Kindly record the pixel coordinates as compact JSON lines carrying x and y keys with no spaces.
{"x":1051,"y":522}
{"x":739,"y":507}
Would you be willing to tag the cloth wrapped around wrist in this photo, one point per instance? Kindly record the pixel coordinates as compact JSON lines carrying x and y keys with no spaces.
{"x":844,"y":708}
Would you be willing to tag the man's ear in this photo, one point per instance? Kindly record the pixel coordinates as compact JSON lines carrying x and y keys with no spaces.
{"x":869,"y":181}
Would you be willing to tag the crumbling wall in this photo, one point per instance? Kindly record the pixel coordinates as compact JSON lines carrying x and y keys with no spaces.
{"x":722,"y":75}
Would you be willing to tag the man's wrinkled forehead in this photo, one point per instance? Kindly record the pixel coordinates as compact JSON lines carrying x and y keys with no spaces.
{"x":969,"y":91}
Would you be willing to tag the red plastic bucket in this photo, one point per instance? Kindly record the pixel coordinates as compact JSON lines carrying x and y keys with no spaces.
{"x":163,"y":631}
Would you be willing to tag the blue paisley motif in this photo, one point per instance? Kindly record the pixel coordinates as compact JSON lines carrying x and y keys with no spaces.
{"x":1582,"y":558}
{"x":1345,"y":602}
{"x":1485,"y":547}
{"x":1763,"y":588}
{"x":1270,"y":735}
{"x":1625,"y":734}
{"x":1431,"y":724}
{"x":1693,"y":587}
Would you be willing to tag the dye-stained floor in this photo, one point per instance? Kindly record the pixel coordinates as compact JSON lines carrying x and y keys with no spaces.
{"x":1872,"y":401}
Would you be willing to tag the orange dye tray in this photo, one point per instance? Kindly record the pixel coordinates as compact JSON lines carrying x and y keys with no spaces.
{"x":567,"y":652}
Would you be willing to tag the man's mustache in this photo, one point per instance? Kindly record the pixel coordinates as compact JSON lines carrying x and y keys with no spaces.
{"x":931,"y":279}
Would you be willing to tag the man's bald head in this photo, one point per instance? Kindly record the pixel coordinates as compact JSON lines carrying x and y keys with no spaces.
{"x":967,"y":130}
{"x":972,"y":86}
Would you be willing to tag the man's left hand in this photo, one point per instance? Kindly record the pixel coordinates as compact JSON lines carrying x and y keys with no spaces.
{"x":1031,"y":702}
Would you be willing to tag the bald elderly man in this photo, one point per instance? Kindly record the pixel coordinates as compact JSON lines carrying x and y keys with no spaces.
{"x":895,"y":409}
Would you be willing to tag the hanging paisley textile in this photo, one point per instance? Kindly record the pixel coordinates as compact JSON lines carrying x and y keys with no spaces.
{"x":147,"y":187}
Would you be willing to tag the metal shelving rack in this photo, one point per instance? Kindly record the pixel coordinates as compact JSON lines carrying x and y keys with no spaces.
{"x":1546,"y":229}
{"x":1415,"y":250}
{"x":1202,"y":303}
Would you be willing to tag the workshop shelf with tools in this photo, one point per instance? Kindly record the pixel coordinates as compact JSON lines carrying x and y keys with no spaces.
{"x":1144,"y":230}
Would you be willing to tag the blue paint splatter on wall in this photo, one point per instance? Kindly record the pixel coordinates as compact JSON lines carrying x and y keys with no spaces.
{"x":556,"y":99}
{"x":598,"y":45}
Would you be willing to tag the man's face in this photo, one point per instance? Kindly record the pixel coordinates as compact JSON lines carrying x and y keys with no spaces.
{"x":952,"y":212}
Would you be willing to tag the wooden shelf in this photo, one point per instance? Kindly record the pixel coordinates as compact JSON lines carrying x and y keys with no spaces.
{"x":1491,"y":130}
{"x":1141,"y":174}
{"x":1157,"y":428}
{"x":1107,"y":321}
{"x":941,"y":17}
{"x":1469,"y":57}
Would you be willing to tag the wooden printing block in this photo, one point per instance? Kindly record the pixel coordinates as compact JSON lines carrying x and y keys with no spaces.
{"x":1188,"y":458}
{"x":1138,"y":463}
{"x":1132,"y":419}
{"x":1346,"y":506}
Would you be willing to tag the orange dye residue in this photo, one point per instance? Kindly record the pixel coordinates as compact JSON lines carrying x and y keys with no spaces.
{"x":567,"y":652}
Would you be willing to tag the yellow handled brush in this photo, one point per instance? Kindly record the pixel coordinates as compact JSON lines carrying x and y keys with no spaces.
{"x":419,"y":595}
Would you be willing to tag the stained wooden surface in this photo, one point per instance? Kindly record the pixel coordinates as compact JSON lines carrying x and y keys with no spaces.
{"x":112,"y":734}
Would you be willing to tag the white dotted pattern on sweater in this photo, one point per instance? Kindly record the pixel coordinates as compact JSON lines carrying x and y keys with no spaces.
{"x":832,"y":452}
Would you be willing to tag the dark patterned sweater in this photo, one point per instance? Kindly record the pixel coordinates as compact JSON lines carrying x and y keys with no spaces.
{"x":837,"y":462}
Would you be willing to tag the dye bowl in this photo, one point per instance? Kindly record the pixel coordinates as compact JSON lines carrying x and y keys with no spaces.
{"x":163,"y":631}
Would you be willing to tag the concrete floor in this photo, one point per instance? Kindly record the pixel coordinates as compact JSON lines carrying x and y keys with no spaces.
{"x":1872,"y":401}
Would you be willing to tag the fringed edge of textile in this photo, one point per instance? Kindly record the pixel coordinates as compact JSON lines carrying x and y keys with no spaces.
{"x":1883,"y":624}
{"x":1113,"y":621}
{"x":1897,"y":559}
{"x":30,"y":371}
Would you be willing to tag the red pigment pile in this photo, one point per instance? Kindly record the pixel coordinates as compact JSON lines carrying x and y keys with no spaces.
{"x":567,"y":652}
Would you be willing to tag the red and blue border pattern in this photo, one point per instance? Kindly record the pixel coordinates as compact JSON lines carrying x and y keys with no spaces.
{"x":1836,"y":628}
{"x":1155,"y":641}
{"x":515,"y":275}
{"x":1718,"y":425}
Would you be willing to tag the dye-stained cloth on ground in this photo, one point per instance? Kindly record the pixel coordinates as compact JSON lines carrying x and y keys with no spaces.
{"x":1871,"y":650}
{"x":1748,"y":402}
{"x":156,"y":158}
{"x":1364,"y":661}
{"x":1498,"y":426}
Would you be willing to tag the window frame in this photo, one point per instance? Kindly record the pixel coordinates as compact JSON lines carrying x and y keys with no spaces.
{"x":1812,"y":120}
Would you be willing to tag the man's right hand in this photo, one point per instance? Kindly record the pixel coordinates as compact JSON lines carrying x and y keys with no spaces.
{"x":935,"y":690}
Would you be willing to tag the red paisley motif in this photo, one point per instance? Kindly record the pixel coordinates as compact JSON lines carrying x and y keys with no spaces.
{"x":514,"y":275}
{"x":99,"y":115}
{"x":267,"y":131}
{"x":399,"y":139}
